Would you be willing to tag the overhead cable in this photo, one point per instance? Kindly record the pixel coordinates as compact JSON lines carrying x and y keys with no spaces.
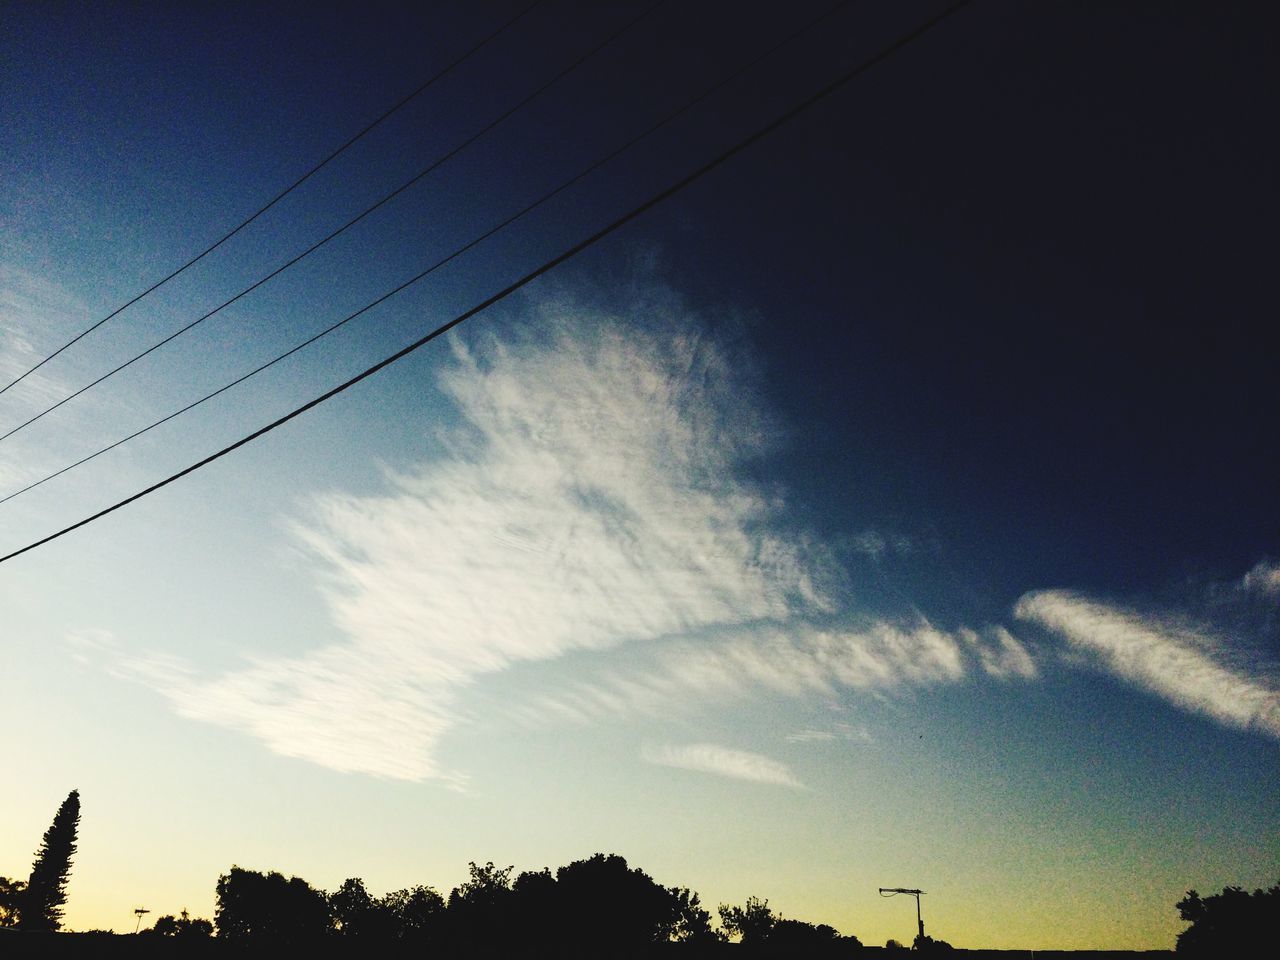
{"x":282,"y":194}
{"x":880,"y":56}
{"x":529,"y":208}
{"x":434,"y":165}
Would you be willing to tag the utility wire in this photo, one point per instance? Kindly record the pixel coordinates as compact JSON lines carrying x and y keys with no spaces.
{"x":434,"y":165}
{"x":669,"y":118}
{"x":283,"y":193}
{"x":875,"y":59}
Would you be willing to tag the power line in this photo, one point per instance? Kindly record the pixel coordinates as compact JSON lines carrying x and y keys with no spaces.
{"x":434,"y":165}
{"x":282,"y":194}
{"x":529,"y":208}
{"x":880,"y":56}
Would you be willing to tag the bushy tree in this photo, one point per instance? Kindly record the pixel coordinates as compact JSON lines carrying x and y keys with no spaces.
{"x":692,"y":923}
{"x":416,"y":913}
{"x":605,"y":902}
{"x":255,"y":907}
{"x":478,"y":909}
{"x":751,"y":923}
{"x":184,"y":925}
{"x":355,"y":913}
{"x":926,"y":944}
{"x":11,"y":894}
{"x":535,"y":912}
{"x":46,"y":892}
{"x":1230,"y":923}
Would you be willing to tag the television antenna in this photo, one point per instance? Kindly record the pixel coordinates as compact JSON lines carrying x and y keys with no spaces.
{"x":894,"y":891}
{"x":139,"y":911}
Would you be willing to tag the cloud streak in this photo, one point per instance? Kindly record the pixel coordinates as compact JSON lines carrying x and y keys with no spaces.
{"x":587,"y":500}
{"x":795,"y":659}
{"x":1263,"y":580}
{"x":1186,"y":666}
{"x":722,"y":761}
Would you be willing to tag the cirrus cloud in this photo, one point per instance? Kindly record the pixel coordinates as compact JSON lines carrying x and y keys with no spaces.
{"x":722,"y":761}
{"x":1187,"y":666}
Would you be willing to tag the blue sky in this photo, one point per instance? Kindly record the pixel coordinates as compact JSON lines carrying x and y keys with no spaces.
{"x":893,"y":507}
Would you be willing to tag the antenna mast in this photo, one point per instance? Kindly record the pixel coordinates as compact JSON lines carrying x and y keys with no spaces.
{"x":892,"y":891}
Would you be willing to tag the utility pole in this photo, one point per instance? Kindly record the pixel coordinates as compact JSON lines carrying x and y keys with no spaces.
{"x":139,"y":911}
{"x":893,"y":891}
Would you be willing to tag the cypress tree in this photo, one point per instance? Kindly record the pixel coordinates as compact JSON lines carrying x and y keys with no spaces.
{"x":47,"y":889}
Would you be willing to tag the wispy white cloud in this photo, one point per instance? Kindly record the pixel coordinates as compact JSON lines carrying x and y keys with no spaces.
{"x":809,"y":735}
{"x":794,"y":659}
{"x":34,"y":315}
{"x":1263,"y":579}
{"x":722,"y":761}
{"x":1189,"y":667}
{"x":1001,"y":654}
{"x":877,"y":545}
{"x":588,"y":500}
{"x":838,"y":731}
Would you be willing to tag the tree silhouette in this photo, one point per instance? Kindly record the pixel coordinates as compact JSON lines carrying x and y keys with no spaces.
{"x":760,"y":930}
{"x":692,"y":922}
{"x":262,"y":908}
{"x":355,"y":912}
{"x":535,"y":909}
{"x":1230,"y":923}
{"x":926,"y":944}
{"x":416,"y":913}
{"x":11,"y":893}
{"x":752,"y":923}
{"x":603,"y":904}
{"x":478,"y":909}
{"x":184,"y":926}
{"x":46,"y":891}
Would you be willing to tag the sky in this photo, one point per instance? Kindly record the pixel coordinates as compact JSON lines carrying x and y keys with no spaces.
{"x":894,"y":506}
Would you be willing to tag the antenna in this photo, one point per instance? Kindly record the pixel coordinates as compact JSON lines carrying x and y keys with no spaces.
{"x":139,"y":911}
{"x":894,"y":891}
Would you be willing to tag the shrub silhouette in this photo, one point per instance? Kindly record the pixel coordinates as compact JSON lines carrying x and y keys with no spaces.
{"x":1230,"y":923}
{"x":11,"y":894}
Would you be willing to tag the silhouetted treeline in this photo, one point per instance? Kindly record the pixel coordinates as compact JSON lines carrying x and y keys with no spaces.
{"x":600,"y":905}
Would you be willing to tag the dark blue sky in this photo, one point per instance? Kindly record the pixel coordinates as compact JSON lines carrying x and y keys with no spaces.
{"x":1001,"y":307}
{"x":1028,"y":272}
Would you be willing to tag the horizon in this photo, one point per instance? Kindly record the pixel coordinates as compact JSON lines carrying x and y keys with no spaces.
{"x":892,"y":506}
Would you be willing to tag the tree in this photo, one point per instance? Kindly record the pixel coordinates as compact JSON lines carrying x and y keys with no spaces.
{"x":258,"y":908}
{"x":692,"y":923}
{"x":478,"y":909}
{"x":46,"y":891}
{"x":605,"y":903}
{"x":752,"y":923}
{"x":416,"y":912}
{"x":801,"y":936}
{"x":356,"y":913}
{"x":535,"y":912}
{"x":184,"y":926}
{"x":924,"y":943}
{"x":11,"y":893}
{"x":1230,"y":923}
